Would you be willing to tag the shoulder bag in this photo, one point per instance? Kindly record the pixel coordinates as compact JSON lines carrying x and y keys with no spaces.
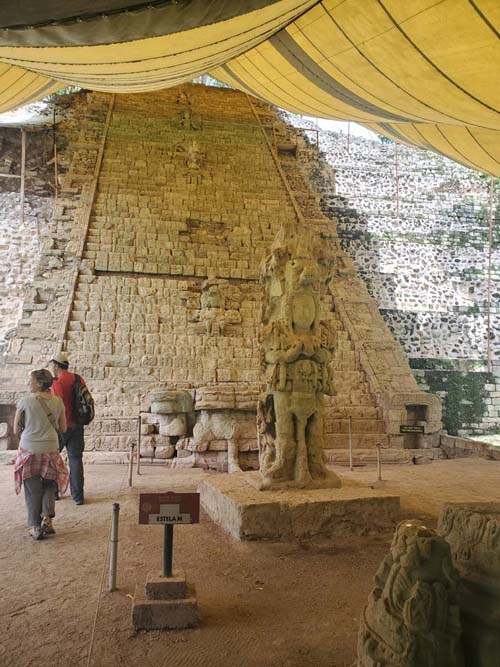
{"x":49,"y":414}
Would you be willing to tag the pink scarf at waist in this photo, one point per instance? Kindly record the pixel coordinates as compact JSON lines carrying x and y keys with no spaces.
{"x":49,"y":466}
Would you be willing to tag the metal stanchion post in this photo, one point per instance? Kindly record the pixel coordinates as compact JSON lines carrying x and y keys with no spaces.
{"x":379,"y":463}
{"x":138,"y":469}
{"x":113,"y":557}
{"x":131,"y":463}
{"x":350,"y":444}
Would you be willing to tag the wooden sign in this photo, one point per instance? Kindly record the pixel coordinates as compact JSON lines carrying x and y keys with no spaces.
{"x":169,"y":508}
{"x":410,"y":428}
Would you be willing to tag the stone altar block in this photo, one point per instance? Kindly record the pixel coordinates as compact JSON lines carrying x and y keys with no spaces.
{"x":235,"y":503}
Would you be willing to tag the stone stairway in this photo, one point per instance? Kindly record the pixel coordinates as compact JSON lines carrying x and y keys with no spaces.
{"x":48,"y":299}
{"x":353,"y":397}
{"x":156,"y":284}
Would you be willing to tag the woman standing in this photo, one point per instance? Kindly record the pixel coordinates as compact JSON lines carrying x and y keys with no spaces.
{"x":38,"y":465}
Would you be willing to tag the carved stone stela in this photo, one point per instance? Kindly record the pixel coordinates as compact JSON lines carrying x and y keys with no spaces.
{"x":412,"y":616}
{"x":296,"y":349}
{"x":473,"y":532}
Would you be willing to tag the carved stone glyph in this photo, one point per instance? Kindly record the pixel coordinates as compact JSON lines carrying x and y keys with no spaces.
{"x":219,"y":308}
{"x":227,"y":425}
{"x":296,"y":347}
{"x":412,"y":616}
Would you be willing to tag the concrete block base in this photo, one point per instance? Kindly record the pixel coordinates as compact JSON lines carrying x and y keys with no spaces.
{"x":165,"y":603}
{"x":233,"y":502}
{"x":163,"y":614}
{"x":159,"y":587}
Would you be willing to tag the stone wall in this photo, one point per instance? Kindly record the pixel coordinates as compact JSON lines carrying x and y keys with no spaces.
{"x":149,"y":275}
{"x":19,"y":249}
{"x":417,"y":232}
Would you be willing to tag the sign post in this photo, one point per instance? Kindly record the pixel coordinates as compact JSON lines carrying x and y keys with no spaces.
{"x":169,"y":509}
{"x":168,"y":548}
{"x":166,"y":601}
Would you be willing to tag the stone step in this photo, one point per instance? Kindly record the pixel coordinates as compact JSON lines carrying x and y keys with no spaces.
{"x":337,"y":426}
{"x":334,"y":411}
{"x":359,"y":440}
{"x":355,"y":398}
{"x":347,"y":388}
{"x":350,"y":377}
{"x":389,"y":455}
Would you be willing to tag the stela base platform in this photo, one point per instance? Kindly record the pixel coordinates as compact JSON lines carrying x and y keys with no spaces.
{"x":233,"y":502}
{"x":165,"y":603}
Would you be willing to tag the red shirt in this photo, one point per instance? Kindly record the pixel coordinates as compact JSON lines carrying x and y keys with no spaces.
{"x":63,"y":387}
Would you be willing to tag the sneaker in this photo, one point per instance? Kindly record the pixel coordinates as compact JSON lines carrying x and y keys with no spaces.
{"x":79,"y":502}
{"x":47,"y":526}
{"x":36,"y":532}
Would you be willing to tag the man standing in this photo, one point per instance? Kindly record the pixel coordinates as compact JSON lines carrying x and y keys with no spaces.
{"x":73,"y":438}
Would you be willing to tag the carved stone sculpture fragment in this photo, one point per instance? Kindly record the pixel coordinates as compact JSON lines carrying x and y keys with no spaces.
{"x":473,"y":532}
{"x":412,"y":616}
{"x":296,"y":349}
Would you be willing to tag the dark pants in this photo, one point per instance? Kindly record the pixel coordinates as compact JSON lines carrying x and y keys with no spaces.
{"x":39,"y":494}
{"x":73,"y":441}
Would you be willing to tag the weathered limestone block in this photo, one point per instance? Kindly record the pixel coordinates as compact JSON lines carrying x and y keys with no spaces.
{"x":172,"y":425}
{"x":165,"y":452}
{"x":165,"y":402}
{"x":224,"y":426}
{"x":4,"y":436}
{"x":147,"y":450}
{"x":473,"y":532}
{"x":412,"y":616}
{"x":192,"y":445}
{"x":215,"y":397}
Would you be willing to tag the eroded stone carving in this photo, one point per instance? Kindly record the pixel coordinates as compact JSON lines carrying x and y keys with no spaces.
{"x":412,"y":615}
{"x":224,"y":425}
{"x":211,"y":427}
{"x":188,"y":121}
{"x":296,"y":347}
{"x":219,"y":307}
{"x":473,"y":532}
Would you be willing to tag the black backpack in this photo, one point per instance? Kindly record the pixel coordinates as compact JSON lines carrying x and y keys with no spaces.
{"x":83,"y":403}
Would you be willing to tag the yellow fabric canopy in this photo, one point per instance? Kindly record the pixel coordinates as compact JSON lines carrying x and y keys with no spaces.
{"x":422,"y":72}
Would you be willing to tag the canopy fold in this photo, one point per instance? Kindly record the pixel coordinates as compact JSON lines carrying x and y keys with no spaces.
{"x":421,"y":72}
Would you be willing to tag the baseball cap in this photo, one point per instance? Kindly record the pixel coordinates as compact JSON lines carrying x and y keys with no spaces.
{"x":61,"y":358}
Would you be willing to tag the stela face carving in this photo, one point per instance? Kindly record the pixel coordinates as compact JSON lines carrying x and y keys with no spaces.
{"x":412,"y":616}
{"x":296,"y":350}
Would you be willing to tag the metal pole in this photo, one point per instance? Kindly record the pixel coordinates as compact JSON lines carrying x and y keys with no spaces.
{"x":113,"y":557}
{"x":350,"y":444}
{"x":131,"y":463}
{"x":168,"y":546}
{"x":397,"y":179}
{"x":488,"y":285}
{"x":139,"y":427}
{"x":54,"y":148}
{"x":56,"y":172}
{"x":379,"y":463}
{"x":23,"y":172}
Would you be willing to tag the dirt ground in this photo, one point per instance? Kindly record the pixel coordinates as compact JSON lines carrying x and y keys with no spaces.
{"x":262,"y":604}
